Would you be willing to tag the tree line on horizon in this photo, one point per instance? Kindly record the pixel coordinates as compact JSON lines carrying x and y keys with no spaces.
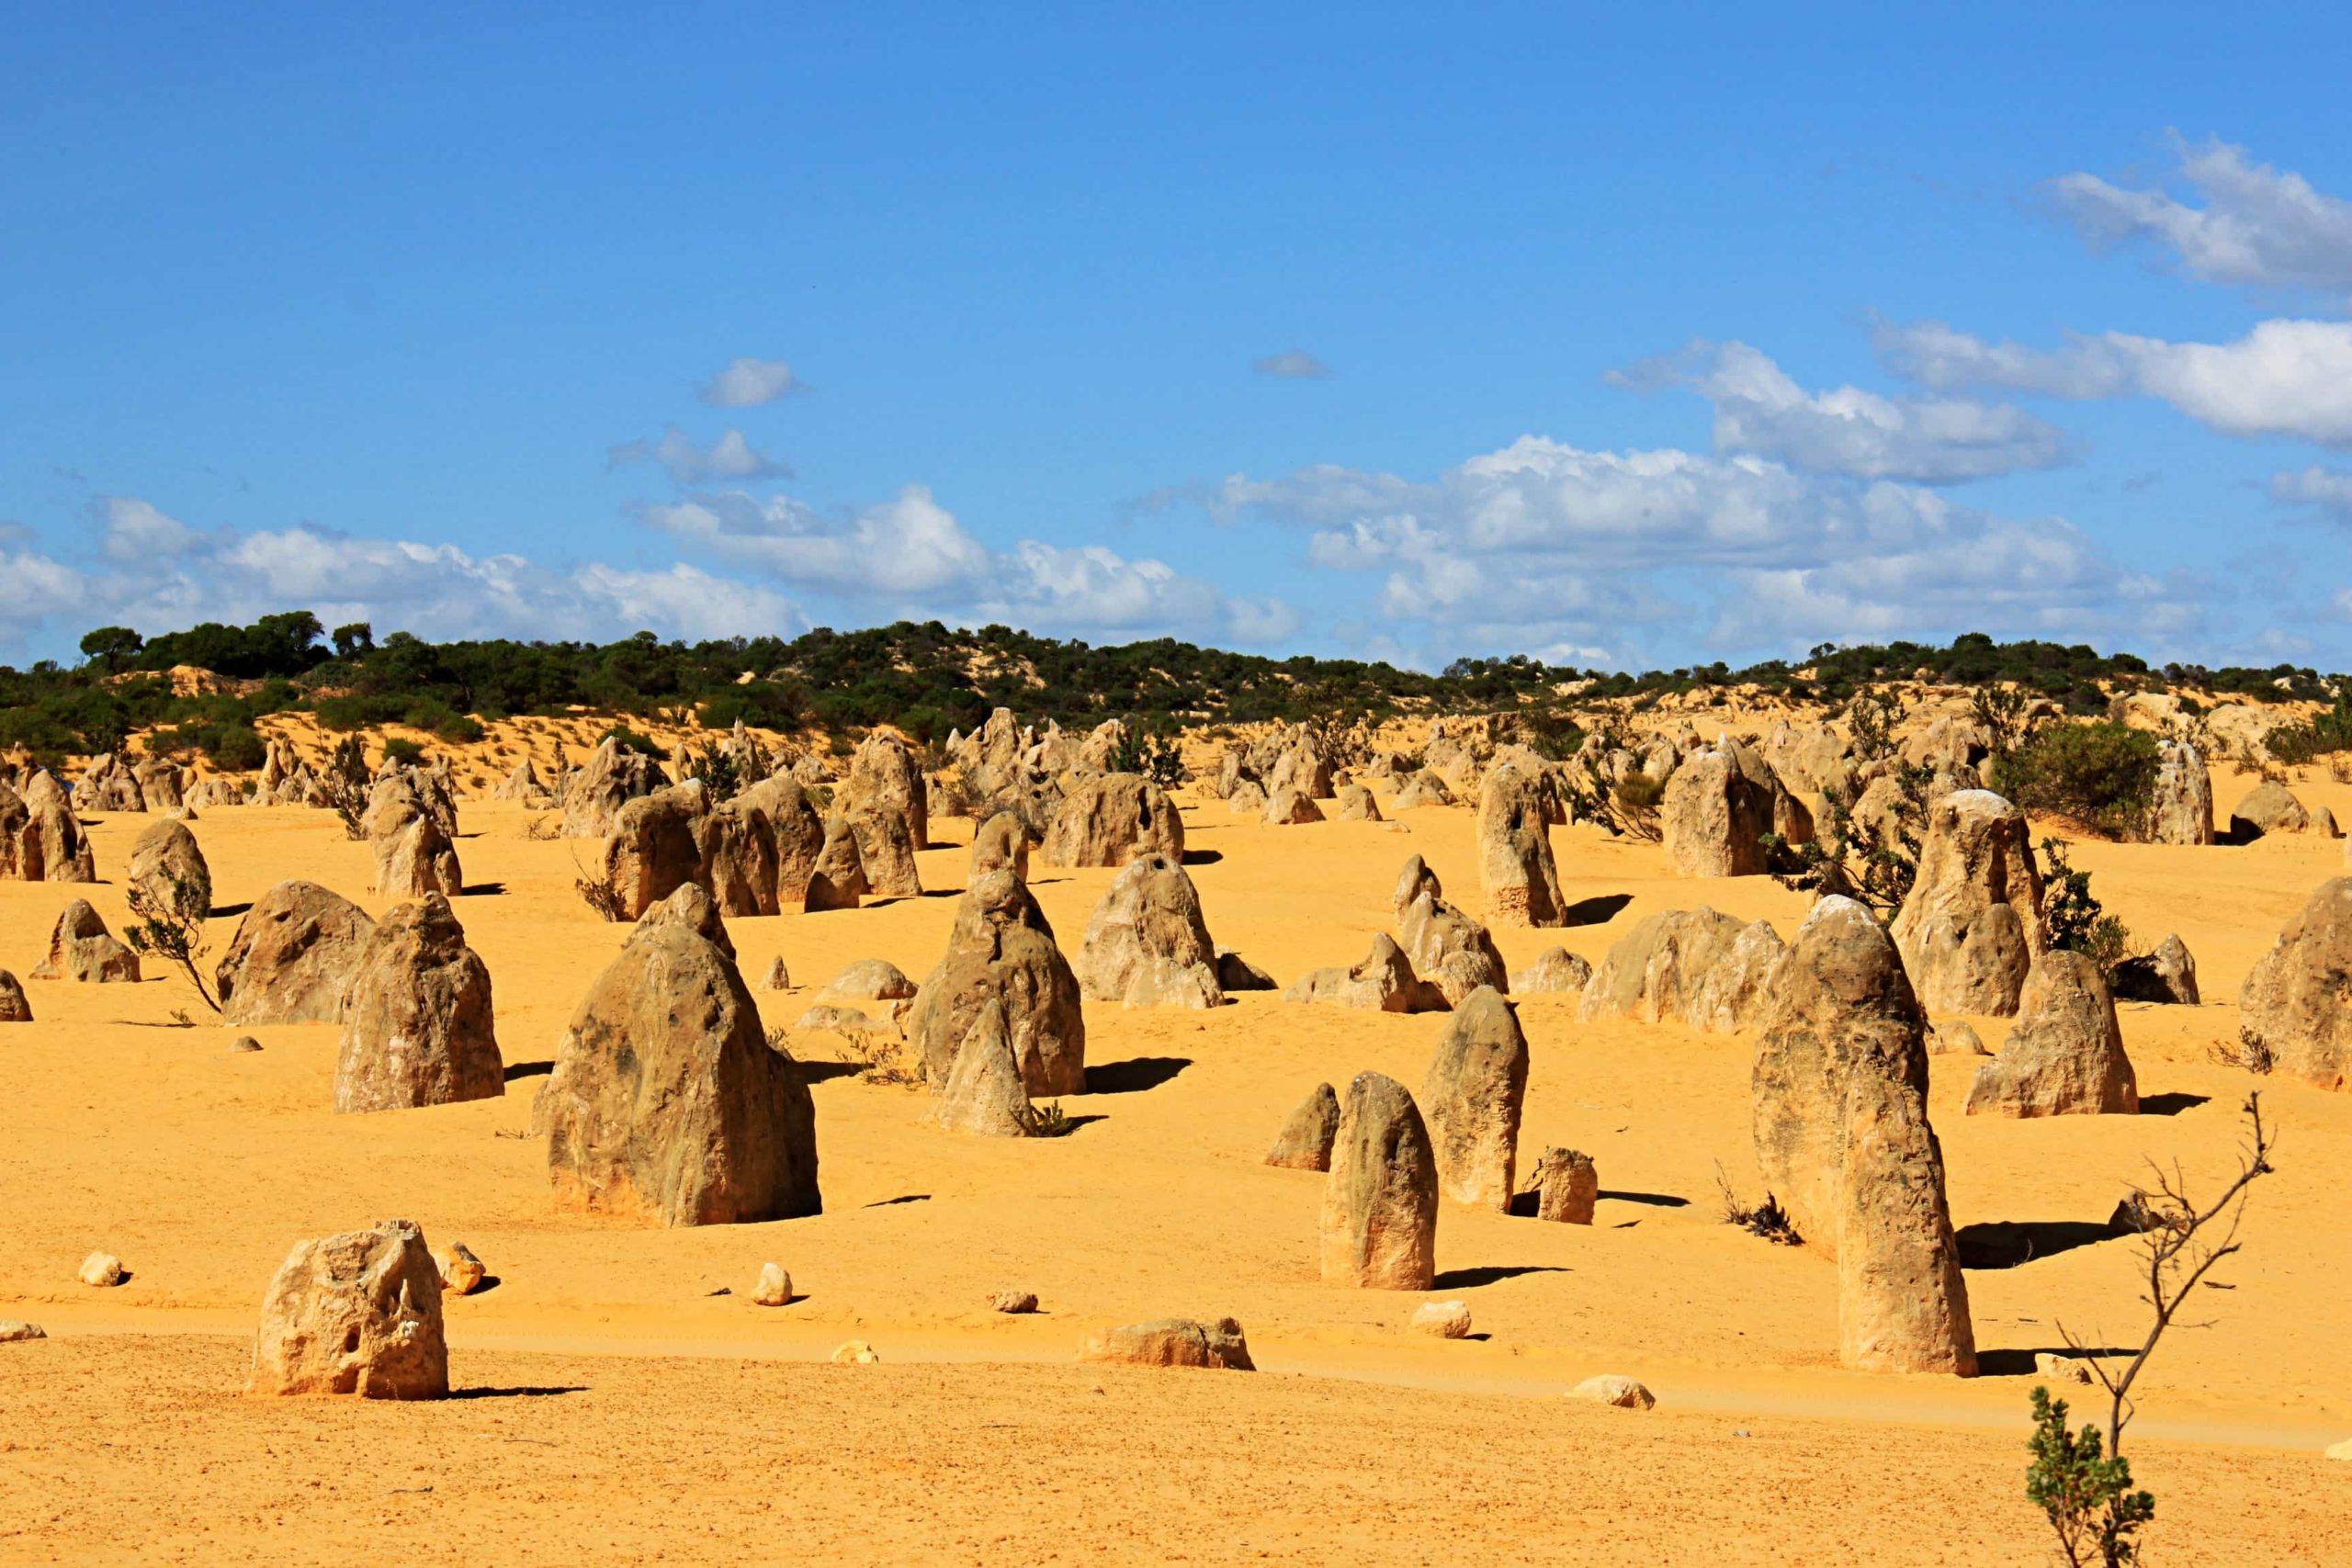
{"x":924,"y":677}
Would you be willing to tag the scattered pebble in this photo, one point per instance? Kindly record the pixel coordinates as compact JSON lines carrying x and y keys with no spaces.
{"x":11,"y":1330}
{"x":1447,"y":1320}
{"x":774,"y":1289}
{"x":461,"y":1271}
{"x":102,"y":1268}
{"x":1014,"y":1300}
{"x":1611,"y":1389}
{"x":856,"y":1350}
{"x":244,"y":1042}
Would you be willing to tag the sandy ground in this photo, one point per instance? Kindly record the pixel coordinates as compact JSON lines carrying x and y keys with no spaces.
{"x":694,"y":1430}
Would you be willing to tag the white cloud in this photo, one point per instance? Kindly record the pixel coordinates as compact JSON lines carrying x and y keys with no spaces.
{"x":732,"y":456}
{"x":1759,"y":409}
{"x":2284,"y":378}
{"x":913,"y":555}
{"x":134,"y":530}
{"x":1544,"y":544}
{"x":1295,"y":365}
{"x":2257,"y":224}
{"x":747,"y":383}
{"x":2327,"y":490}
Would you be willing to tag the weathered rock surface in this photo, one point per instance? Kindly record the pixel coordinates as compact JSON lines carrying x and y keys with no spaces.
{"x":1171,"y":1342}
{"x":1247,"y":799}
{"x":1566,"y":1185}
{"x":885,"y":778}
{"x":14,"y":1008}
{"x":779,"y":977}
{"x":668,"y":1102}
{"x":793,"y":830}
{"x":1112,"y":820}
{"x":1624,"y":1393}
{"x":1515,"y":867}
{"x":1447,"y":947}
{"x":1472,"y":1099}
{"x":522,"y":784}
{"x":1002,"y":947}
{"x":81,"y":948}
{"x":773,"y":1287}
{"x":1290,"y":807}
{"x":1952,"y":1037}
{"x":1000,"y":844}
{"x":1234,"y":973}
{"x":167,"y":868}
{"x":2167,"y":975}
{"x":984,"y":1094}
{"x":417,"y":1020}
{"x":1843,"y":1140}
{"x":837,"y":879}
{"x":1147,"y":944}
{"x":2180,"y":810}
{"x":102,"y":1271}
{"x":2269,"y":808}
{"x":1358,"y":804}
{"x":1714,"y":818}
{"x":1555,"y":969}
{"x":2297,"y":1000}
{"x":872,"y":979}
{"x":654,"y":850}
{"x":1425,"y":787}
{"x":1304,"y":1142}
{"x":1693,"y":966}
{"x":357,"y":1314}
{"x":461,"y":1272}
{"x":1378,"y":1223}
{"x":417,"y":859}
{"x":1444,"y":1320}
{"x":2065,"y":1056}
{"x":293,"y":956}
{"x":1972,"y":924}
{"x":885,"y":851}
{"x":1383,"y":982}
{"x":611,"y":778}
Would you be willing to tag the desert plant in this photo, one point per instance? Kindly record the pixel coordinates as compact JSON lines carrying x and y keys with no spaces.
{"x":1872,"y":716}
{"x":1874,"y":861}
{"x":2081,"y":1482}
{"x":346,"y":781}
{"x":2004,"y":715}
{"x":2074,"y":919}
{"x":169,"y":925}
{"x":596,"y":891}
{"x":2249,"y":1051}
{"x":1051,"y":1121}
{"x":1156,"y":757}
{"x":1767,"y":1219}
{"x":402,"y":751}
{"x":2101,"y":775}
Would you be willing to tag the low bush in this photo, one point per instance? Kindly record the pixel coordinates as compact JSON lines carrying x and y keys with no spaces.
{"x":2100,"y":775}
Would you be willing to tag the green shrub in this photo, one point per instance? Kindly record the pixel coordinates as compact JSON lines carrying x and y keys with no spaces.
{"x":2083,"y":1491}
{"x":407,"y":753}
{"x":2101,"y":775}
{"x":628,"y":740}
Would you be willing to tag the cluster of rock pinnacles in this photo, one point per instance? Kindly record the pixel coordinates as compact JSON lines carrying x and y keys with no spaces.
{"x":668,"y":1100}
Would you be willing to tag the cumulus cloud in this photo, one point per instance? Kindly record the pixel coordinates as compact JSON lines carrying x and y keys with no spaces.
{"x":158,"y":572}
{"x":1544,"y":544}
{"x":730,"y":458}
{"x":747,"y":383}
{"x":2323,"y":490}
{"x":2251,"y":224}
{"x":1295,"y":364}
{"x":2283,"y":377}
{"x":1759,"y":409}
{"x":913,"y":555}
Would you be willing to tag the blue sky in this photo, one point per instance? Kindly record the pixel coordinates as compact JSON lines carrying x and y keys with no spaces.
{"x":1628,"y":335}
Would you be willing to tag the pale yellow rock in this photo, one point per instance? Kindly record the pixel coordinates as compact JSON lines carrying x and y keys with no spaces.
{"x":461,"y":1271}
{"x":2066,"y":1369}
{"x":855,"y":1352}
{"x":2340,"y":1451}
{"x":11,"y":1331}
{"x":1447,"y":1320}
{"x":1611,"y":1389}
{"x":774,"y":1289}
{"x":102,"y":1269}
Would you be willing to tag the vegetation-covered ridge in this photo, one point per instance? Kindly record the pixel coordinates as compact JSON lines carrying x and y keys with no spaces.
{"x":924,"y":677}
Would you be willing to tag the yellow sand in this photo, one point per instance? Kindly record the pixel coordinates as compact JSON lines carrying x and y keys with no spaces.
{"x":200,"y":1167}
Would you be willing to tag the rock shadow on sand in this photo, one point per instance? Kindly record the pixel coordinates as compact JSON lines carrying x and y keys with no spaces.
{"x":1134,"y":1075}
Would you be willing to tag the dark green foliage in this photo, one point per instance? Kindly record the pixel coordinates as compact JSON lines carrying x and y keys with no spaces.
{"x":2296,"y":744}
{"x":170,"y":925}
{"x":2100,"y":775}
{"x":1873,"y":863}
{"x":2076,"y":922}
{"x":2083,"y":1491}
{"x":408,"y":753}
{"x":1156,"y":757}
{"x":346,"y":782}
{"x":112,"y":648}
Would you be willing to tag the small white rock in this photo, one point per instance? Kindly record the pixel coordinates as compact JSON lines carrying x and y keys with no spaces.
{"x":2066,"y":1369}
{"x":461,"y":1271}
{"x":101,"y":1269}
{"x":774,"y":1289}
{"x":11,"y":1330}
{"x":1447,"y":1320}
{"x":1611,"y":1389}
{"x":2339,"y":1451}
{"x":857,"y":1351}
